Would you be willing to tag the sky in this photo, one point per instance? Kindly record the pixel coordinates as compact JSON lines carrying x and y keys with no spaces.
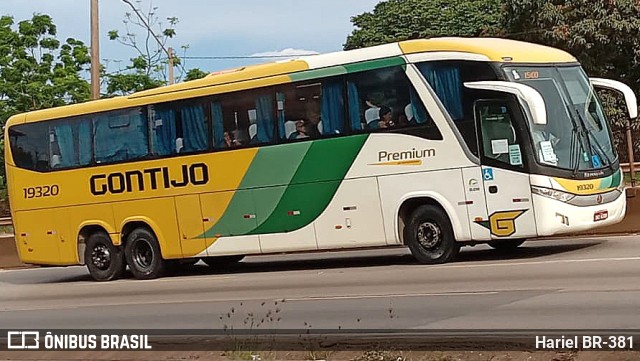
{"x":211,"y":27}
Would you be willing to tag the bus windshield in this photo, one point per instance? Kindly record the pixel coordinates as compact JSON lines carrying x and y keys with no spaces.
{"x":577,"y":134}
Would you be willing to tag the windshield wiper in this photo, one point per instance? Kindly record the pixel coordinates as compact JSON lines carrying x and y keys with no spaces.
{"x":595,"y":140}
{"x":575,"y":139}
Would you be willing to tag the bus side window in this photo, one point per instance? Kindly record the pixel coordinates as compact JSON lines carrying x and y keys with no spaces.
{"x":385,"y":99}
{"x":30,"y":145}
{"x":163,"y":124}
{"x":192,"y":128}
{"x":299,"y":111}
{"x":70,"y":142}
{"x":128,"y":127}
{"x":244,"y":118}
{"x":332,"y":120}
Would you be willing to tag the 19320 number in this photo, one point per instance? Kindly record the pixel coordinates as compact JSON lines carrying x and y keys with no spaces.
{"x":41,"y":191}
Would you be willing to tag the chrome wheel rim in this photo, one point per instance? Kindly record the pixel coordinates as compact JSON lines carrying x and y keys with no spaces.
{"x":429,"y":237}
{"x":101,"y":257}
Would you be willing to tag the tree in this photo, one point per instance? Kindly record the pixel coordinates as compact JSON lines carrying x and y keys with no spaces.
{"x":396,"y":20}
{"x":603,"y":35}
{"x":36,"y":71}
{"x":148,"y":69}
{"x":194,"y":74}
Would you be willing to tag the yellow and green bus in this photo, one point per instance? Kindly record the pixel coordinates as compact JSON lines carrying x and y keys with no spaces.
{"x":433,"y":144}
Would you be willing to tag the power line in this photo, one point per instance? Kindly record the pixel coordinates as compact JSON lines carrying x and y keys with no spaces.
{"x":243,"y":57}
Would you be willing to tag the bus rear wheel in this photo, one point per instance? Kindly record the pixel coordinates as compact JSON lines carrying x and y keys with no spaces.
{"x":218,"y":261}
{"x":143,"y":255}
{"x":506,"y":244}
{"x":104,"y":261}
{"x":429,"y":236}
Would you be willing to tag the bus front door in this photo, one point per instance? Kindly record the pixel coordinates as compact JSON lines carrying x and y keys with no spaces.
{"x":505,"y":180}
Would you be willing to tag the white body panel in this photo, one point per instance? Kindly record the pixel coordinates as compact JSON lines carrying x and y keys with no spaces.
{"x":477,"y":210}
{"x":513,"y":194}
{"x":233,"y":245}
{"x":303,"y":239}
{"x":341,"y":57}
{"x":549,"y":212}
{"x":385,"y":154}
{"x":444,"y":186}
{"x":353,"y":218}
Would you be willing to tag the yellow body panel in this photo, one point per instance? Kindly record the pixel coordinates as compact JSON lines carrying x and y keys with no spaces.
{"x":495,"y":49}
{"x":190,"y":226}
{"x":58,"y":219}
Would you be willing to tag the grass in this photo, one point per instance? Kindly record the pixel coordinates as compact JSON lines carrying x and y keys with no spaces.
{"x":6,"y":229}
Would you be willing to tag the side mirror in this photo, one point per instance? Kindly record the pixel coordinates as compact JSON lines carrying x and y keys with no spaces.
{"x":629,"y":97}
{"x":528,"y":97}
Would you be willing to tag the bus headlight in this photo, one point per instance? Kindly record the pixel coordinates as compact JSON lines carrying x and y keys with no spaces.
{"x":552,"y":193}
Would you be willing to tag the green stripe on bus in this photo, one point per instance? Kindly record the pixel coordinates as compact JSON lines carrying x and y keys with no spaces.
{"x":375,"y":64}
{"x":314,"y":184}
{"x":275,"y":165}
{"x":318,"y":73}
{"x":272,"y":170}
{"x":348,"y":68}
{"x":616,"y":178}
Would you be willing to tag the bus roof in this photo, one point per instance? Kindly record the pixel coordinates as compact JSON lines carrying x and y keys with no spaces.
{"x":491,"y":49}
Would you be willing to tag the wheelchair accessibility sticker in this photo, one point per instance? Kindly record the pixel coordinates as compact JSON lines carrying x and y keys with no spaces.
{"x":487,"y":174}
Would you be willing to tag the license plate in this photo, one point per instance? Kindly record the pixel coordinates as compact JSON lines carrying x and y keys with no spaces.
{"x":600,"y":216}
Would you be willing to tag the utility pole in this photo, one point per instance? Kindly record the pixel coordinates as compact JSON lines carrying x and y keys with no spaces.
{"x":95,"y":51}
{"x":171,"y":77}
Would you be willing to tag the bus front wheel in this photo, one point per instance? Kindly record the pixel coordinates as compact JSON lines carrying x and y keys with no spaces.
{"x":143,"y":254}
{"x":104,"y":261}
{"x":429,"y":236}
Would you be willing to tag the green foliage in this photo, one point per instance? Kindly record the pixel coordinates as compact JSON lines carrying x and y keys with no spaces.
{"x":36,"y":70}
{"x":603,"y":35}
{"x":396,"y":20}
{"x":194,"y":74}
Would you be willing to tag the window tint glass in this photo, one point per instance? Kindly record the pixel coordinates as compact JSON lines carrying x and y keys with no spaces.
{"x":71,"y":143}
{"x":49,"y":145}
{"x":499,"y":137}
{"x":447,"y":79}
{"x":162,"y":121}
{"x":30,"y":145}
{"x":384,"y":98}
{"x":300,"y":111}
{"x":244,"y":118}
{"x":120,"y":135}
{"x":192,"y":129}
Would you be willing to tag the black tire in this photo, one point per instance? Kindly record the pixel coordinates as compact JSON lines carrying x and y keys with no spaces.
{"x":429,"y":235}
{"x":104,"y":261}
{"x":221,"y":261}
{"x":143,"y":255}
{"x":507,"y":244}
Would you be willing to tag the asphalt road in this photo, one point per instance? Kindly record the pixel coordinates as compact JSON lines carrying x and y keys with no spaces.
{"x":557,"y":284}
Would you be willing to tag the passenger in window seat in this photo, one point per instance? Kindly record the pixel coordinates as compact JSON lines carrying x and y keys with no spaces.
{"x":305,"y":129}
{"x":386,"y":117}
{"x":229,"y":140}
